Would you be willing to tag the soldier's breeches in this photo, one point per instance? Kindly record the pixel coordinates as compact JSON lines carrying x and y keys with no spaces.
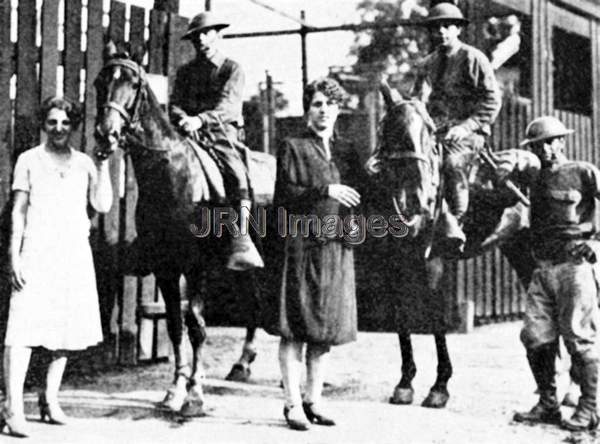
{"x":562,"y":300}
{"x":233,"y":170}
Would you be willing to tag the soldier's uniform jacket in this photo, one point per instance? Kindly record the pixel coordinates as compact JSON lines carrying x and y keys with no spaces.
{"x":464,"y":90}
{"x":563,"y":204}
{"x":210,"y":88}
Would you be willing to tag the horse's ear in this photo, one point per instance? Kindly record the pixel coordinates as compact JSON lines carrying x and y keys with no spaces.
{"x":390,"y":95}
{"x":137,"y":53}
{"x":110,"y":49}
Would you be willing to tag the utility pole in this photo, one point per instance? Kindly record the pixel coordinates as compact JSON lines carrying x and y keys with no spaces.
{"x":303,"y":32}
{"x":207,"y":5}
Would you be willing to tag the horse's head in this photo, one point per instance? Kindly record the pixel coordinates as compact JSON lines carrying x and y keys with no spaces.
{"x":410,"y":162}
{"x":120,"y":86}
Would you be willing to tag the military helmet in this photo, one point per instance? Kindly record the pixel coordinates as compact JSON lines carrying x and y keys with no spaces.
{"x":203,"y":21}
{"x":545,"y":127}
{"x":445,"y":12}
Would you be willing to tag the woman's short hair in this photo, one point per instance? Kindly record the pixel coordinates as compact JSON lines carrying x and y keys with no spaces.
{"x":326,"y":85}
{"x":73,"y":110}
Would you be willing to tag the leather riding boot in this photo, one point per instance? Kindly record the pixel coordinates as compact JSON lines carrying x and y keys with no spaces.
{"x":585,"y":416}
{"x":541,"y":361}
{"x":244,"y":255}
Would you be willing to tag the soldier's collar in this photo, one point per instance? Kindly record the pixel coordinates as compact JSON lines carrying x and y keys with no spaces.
{"x":217,"y":59}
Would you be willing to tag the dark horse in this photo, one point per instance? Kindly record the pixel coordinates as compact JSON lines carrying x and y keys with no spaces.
{"x":411,"y":183}
{"x":174,"y":177}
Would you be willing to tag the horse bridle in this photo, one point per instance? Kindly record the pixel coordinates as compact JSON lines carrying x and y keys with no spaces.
{"x":131,"y":119}
{"x":433,"y":163}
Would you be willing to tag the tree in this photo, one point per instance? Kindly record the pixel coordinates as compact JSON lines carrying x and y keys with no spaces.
{"x":393,"y":50}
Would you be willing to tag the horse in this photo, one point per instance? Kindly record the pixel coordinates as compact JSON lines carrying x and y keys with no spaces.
{"x":176,"y":179}
{"x":410,"y":183}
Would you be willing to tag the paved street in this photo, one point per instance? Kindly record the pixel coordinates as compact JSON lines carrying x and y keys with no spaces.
{"x":490,"y":381}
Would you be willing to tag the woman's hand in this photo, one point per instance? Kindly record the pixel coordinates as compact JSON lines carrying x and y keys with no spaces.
{"x":16,"y":274}
{"x":344,"y":194}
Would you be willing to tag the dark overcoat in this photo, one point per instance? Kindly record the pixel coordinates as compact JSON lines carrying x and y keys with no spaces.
{"x":313,"y":275}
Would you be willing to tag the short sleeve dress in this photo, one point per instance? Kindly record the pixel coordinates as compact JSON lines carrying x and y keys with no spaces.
{"x":58,"y":306}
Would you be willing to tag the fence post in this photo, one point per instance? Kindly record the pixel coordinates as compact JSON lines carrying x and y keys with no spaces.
{"x":167,"y":5}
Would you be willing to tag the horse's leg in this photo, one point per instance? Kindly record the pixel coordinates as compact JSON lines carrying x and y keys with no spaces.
{"x":169,"y":286}
{"x":240,"y":371}
{"x":438,"y":394}
{"x":403,"y":392}
{"x":196,"y":326}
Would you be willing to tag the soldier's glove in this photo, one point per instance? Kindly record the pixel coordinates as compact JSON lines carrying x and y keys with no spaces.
{"x":588,"y":250}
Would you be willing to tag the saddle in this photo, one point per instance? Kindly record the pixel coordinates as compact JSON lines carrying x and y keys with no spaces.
{"x":260,"y":169}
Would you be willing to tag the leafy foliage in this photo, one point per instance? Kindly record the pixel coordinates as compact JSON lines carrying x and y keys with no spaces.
{"x":393,"y":50}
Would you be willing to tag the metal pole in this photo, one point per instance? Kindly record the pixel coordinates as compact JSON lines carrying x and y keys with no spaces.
{"x":207,"y":5}
{"x":270,"y":114}
{"x":303,"y":32}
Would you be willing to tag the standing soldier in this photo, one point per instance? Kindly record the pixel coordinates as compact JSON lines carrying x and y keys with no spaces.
{"x":457,"y":83}
{"x":562,"y":297}
{"x":207,"y":100}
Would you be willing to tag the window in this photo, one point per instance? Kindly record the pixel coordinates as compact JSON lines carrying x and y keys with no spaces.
{"x":572,"y":71}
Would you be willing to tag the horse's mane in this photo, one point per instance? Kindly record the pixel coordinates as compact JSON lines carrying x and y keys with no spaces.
{"x":392,"y":134}
{"x":153,"y":107}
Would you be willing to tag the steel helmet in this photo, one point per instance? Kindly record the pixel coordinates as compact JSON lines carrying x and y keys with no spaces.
{"x":545,"y":127}
{"x":445,"y":12}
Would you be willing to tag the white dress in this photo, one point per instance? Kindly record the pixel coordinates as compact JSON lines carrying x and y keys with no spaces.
{"x":58,"y":307}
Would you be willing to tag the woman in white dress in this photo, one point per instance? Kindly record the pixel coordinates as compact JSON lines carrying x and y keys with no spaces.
{"x":54,"y":303}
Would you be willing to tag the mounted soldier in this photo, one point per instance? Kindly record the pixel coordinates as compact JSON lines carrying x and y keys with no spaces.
{"x":206,"y":105}
{"x":457,"y":83}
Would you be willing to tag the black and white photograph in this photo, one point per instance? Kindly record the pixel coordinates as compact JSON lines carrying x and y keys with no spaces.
{"x":300,"y":221}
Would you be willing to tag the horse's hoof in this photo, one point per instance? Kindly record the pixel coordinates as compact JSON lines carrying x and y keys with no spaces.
{"x":436,"y":399}
{"x":174,"y":400}
{"x":402,"y":396}
{"x":192,"y":408}
{"x":239,"y":373}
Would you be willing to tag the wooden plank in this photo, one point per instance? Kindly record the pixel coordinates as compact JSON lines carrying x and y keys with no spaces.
{"x":179,"y":51}
{"x":157,"y":44}
{"x":136,"y":29}
{"x":49,"y":49}
{"x":5,"y":155}
{"x":72,"y":58}
{"x":167,"y":5}
{"x":5,"y":111}
{"x":116,"y":27}
{"x":27,"y":100}
{"x":93,"y":62}
{"x":522,"y":6}
{"x":568,"y":21}
{"x":595,"y":33}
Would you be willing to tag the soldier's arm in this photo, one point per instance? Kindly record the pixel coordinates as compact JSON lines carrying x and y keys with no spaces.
{"x":484,"y":81}
{"x":229,"y":104}
{"x":176,"y":113}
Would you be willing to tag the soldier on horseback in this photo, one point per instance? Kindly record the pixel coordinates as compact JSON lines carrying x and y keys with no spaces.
{"x":562,"y":297}
{"x":206,"y":105}
{"x":457,"y":83}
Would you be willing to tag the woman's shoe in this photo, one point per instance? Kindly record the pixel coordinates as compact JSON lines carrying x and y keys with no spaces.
{"x":14,"y":425}
{"x":314,"y":416}
{"x":51,"y":413}
{"x":294,"y":418}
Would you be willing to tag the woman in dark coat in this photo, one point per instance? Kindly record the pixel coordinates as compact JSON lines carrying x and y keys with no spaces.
{"x":315,"y":275}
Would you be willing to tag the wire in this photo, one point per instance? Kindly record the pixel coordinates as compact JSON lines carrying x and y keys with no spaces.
{"x":281,"y":13}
